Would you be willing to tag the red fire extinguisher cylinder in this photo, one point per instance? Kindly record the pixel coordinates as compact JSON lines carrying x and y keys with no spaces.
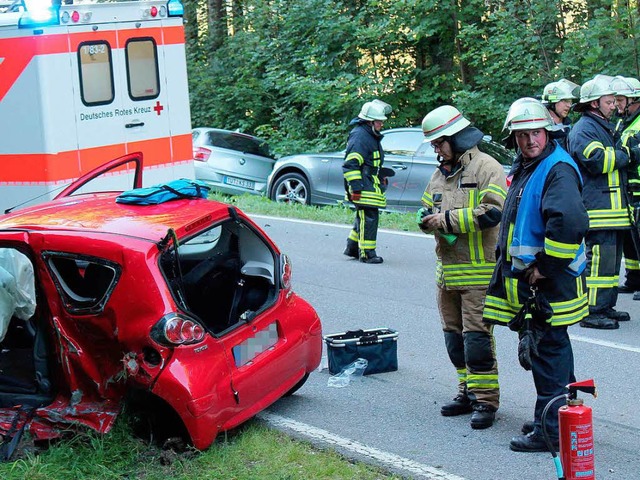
{"x":576,"y":440}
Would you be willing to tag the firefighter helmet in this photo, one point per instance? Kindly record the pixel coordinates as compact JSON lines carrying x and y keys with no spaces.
{"x":375,"y":110}
{"x":626,"y":86}
{"x":597,"y":87}
{"x":561,"y":90}
{"x":528,"y":114}
{"x":444,"y":121}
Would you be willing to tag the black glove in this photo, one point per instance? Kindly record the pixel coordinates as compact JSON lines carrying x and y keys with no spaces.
{"x":521,"y":320}
{"x":528,"y":346}
{"x":531,"y":324}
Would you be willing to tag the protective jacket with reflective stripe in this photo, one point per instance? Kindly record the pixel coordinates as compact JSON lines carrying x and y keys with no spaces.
{"x":363,"y":159}
{"x":604,"y":172}
{"x":628,"y":141}
{"x":529,"y":232}
{"x":565,"y":225}
{"x":471,"y":198}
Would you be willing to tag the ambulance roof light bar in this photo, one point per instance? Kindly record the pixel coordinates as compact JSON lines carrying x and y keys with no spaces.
{"x":39,"y":13}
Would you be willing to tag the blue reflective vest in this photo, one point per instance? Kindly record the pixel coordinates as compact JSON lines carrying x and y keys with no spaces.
{"x":529,"y":229}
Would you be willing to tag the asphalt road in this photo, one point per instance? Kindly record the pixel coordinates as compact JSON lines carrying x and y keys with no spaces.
{"x":394,"y":417}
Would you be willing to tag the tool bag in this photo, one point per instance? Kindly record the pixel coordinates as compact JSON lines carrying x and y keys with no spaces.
{"x":379,"y":346}
{"x":164,"y":192}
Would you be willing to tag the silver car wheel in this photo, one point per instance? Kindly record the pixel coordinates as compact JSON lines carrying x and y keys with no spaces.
{"x":291,"y":188}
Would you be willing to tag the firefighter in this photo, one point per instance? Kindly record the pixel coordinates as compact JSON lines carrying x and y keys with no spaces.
{"x":628,"y":104}
{"x":558,"y":97}
{"x":540,"y":246}
{"x":463,"y":206}
{"x":364,"y":186}
{"x":592,"y":144}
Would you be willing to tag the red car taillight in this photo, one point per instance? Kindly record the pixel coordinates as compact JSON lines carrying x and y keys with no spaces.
{"x":177,"y":330}
{"x":285,"y":275}
{"x":201,"y":154}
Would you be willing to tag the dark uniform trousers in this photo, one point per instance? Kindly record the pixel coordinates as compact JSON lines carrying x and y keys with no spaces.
{"x":552,"y":370}
{"x":631,"y":262}
{"x":365,"y":228}
{"x":604,"y":257}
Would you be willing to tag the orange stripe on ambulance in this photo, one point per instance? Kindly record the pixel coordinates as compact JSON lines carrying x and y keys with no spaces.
{"x":81,"y":84}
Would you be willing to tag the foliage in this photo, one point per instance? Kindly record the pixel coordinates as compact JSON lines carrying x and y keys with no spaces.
{"x":297,"y":71}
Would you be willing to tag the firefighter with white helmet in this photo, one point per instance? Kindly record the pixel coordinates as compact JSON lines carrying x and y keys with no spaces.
{"x":365,"y":180}
{"x":558,"y":97}
{"x":594,"y":145}
{"x":540,"y":248}
{"x":628,"y":104}
{"x":627,"y":94}
{"x":462,"y":208}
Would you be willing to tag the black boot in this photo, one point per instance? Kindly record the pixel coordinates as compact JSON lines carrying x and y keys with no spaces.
{"x":483,"y":416}
{"x":532,"y":442}
{"x":617,"y":315}
{"x":600,"y":321}
{"x":352,"y":249}
{"x":369,"y":256}
{"x":528,"y":427}
{"x":458,"y":406}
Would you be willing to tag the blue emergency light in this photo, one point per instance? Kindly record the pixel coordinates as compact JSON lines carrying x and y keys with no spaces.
{"x":175,"y":8}
{"x":39,"y":13}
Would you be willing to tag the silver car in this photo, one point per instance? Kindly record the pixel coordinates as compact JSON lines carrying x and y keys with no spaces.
{"x":231,"y":162}
{"x":316,"y":178}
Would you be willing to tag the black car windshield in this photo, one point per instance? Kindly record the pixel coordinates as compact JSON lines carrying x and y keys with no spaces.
{"x":239,"y":142}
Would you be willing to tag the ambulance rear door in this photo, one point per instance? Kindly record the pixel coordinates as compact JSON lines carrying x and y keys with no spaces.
{"x":95,"y":62}
{"x":122,"y":88}
{"x":144,"y":118}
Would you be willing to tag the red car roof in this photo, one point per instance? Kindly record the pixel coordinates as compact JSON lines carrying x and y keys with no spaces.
{"x":99,"y":212}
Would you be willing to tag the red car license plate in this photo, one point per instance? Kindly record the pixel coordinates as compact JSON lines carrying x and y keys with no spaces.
{"x":254,"y":346}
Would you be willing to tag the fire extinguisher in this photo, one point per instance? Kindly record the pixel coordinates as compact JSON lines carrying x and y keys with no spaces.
{"x":576,"y":434}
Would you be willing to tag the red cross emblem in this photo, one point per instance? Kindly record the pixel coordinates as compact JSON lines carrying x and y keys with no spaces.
{"x":158,"y":108}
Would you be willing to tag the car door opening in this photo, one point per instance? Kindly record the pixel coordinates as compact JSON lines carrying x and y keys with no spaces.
{"x":24,"y":368}
{"x":227,"y":275}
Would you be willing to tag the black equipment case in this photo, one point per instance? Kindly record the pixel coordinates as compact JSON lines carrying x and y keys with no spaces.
{"x":379,"y":346}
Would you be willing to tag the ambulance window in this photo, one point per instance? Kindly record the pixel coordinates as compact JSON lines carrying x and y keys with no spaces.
{"x":96,"y":73}
{"x":142,"y":69}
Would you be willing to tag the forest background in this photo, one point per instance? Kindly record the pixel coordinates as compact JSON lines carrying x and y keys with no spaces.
{"x":297,"y":71}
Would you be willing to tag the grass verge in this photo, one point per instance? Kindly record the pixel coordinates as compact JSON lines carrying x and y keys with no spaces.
{"x":342,"y":214}
{"x":251,"y":452}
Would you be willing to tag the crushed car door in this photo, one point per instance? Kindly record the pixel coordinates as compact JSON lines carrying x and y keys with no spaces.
{"x":24,"y":367}
{"x":79,"y":289}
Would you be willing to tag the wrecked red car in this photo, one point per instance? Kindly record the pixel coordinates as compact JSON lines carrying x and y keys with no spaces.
{"x":184,"y":308}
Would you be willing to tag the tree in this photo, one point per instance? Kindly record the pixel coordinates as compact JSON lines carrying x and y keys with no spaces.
{"x":297,"y":71}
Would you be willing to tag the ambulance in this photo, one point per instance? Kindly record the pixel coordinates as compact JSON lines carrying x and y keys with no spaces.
{"x":84,"y":83}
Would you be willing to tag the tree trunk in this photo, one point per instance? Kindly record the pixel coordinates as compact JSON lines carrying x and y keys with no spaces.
{"x":191,"y":22}
{"x":217,"y":24}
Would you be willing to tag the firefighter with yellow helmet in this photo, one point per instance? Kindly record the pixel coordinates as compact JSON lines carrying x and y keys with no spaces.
{"x":603,"y":165}
{"x":540,"y":250}
{"x":364,"y":183}
{"x":462,"y":206}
